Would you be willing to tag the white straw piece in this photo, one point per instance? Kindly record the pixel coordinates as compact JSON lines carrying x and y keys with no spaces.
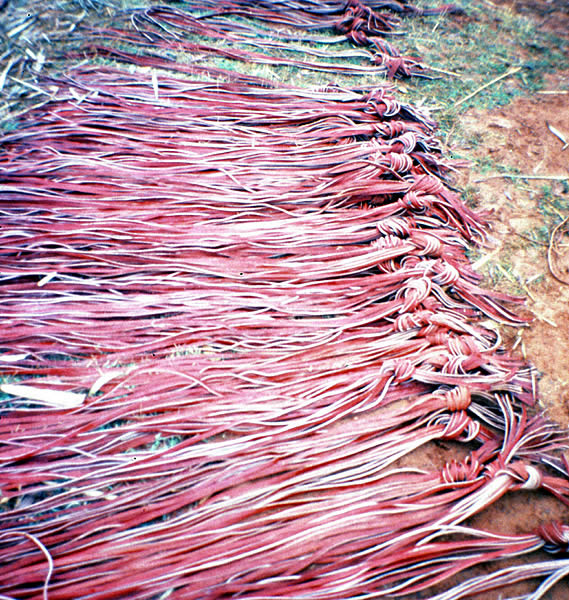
{"x":55,"y":398}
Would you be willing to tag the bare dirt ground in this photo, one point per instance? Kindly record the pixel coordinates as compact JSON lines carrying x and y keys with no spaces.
{"x":550,"y":14}
{"x":518,"y":137}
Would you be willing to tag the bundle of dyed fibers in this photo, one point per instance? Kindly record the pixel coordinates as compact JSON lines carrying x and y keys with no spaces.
{"x":243,"y":318}
{"x":159,"y":30}
{"x":237,"y":321}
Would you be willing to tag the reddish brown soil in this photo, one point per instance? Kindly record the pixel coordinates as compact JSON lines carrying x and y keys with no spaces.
{"x":552,"y":15}
{"x":517,"y":138}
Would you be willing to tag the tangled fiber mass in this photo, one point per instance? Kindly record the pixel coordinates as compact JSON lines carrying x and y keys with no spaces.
{"x":230,"y":312}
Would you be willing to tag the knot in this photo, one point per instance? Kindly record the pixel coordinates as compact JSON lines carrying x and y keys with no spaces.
{"x":382,"y":105}
{"x":432,"y":304}
{"x":495,"y":468}
{"x":447,"y":275}
{"x":399,"y":163}
{"x":432,"y":333}
{"x":556,"y":537}
{"x":388,"y":266}
{"x":401,"y":369}
{"x":527,"y":477}
{"x":429,"y":244}
{"x":392,"y":107}
{"x":412,"y":262}
{"x":394,"y":225}
{"x":428,"y":184}
{"x":458,"y":399}
{"x":456,"y":365}
{"x":462,"y":345}
{"x":471,"y":362}
{"x":435,"y":336}
{"x":390,"y":129}
{"x":384,"y":47}
{"x":459,"y":423}
{"x":357,"y":35}
{"x":414,"y":292}
{"x":412,"y":320}
{"x":407,"y":141}
{"x":414,"y":201}
{"x":363,"y":20}
{"x":460,"y":471}
{"x":395,"y":65}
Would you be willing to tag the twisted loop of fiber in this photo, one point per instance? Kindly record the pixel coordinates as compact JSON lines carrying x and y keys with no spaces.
{"x":394,"y":226}
{"x":528,"y":477}
{"x":461,"y":471}
{"x":363,"y":20}
{"x":383,"y":106}
{"x":464,"y":344}
{"x":390,"y":129}
{"x":428,"y":185}
{"x":415,"y":201}
{"x":412,"y":320}
{"x":461,"y":364}
{"x":429,"y":244}
{"x":400,"y":163}
{"x":394,"y":65}
{"x":464,"y":349}
{"x":447,"y":274}
{"x":436,"y":336}
{"x":414,"y":292}
{"x":459,"y":423}
{"x":555,"y":536}
{"x":458,"y":399}
{"x":406,"y":142}
{"x":401,"y":369}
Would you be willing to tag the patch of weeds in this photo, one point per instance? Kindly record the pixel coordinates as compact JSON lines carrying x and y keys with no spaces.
{"x":550,"y":205}
{"x":503,"y":277}
{"x":470,"y":51}
{"x":554,"y":209}
{"x":161,"y":443}
{"x":486,"y":165}
{"x":546,"y":52}
{"x":537,"y":235}
{"x":470,"y":196}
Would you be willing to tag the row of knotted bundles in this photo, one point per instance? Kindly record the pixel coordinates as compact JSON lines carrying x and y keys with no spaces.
{"x":235,"y":316}
{"x":300,"y":36}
